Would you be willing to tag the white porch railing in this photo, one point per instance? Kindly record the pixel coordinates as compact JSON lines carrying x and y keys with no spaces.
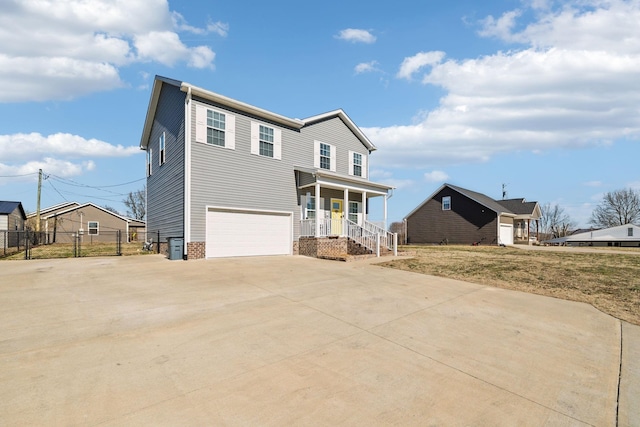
{"x":387,"y":239}
{"x":370,"y":235}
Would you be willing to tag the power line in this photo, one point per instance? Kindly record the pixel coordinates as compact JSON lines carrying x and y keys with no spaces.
{"x":18,"y":176}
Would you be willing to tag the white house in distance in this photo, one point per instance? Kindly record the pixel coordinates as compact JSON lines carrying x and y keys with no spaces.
{"x":627,"y":235}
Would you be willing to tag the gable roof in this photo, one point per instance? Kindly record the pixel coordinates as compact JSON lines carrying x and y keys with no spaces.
{"x":242,"y":107}
{"x":79,"y":206}
{"x":519,"y":206}
{"x":57,"y":207}
{"x":480,"y":198}
{"x":7,"y":208}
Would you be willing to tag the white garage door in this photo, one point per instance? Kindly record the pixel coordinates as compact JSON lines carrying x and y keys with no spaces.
{"x":506,"y":234}
{"x":248,"y":233}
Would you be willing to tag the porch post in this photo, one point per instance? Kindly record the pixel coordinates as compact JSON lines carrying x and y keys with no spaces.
{"x":317,"y":205}
{"x":364,"y":207}
{"x":345,"y":205}
{"x":385,"y":211}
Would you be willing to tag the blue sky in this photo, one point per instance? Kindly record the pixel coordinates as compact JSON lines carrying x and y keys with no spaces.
{"x":539,"y":95}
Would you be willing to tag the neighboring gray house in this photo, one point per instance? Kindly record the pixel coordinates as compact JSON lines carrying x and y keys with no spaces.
{"x":627,"y":235}
{"x":12,"y":219}
{"x":232,"y":179}
{"x":454,"y":214}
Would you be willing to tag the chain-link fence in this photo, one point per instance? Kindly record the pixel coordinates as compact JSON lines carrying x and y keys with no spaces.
{"x":42,"y":245}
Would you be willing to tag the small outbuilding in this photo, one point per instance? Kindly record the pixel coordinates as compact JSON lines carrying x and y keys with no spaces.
{"x":12,"y":219}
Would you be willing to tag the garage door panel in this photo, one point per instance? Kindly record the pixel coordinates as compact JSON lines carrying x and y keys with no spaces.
{"x":231,"y":233}
{"x":506,"y":234}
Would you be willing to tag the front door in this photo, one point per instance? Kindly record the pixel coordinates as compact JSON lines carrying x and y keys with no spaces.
{"x":337,"y":213}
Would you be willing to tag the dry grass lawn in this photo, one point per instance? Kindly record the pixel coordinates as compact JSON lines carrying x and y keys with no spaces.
{"x":608,"y":281}
{"x":65,"y":250}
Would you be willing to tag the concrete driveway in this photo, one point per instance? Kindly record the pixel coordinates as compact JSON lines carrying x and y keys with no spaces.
{"x":299,"y":341}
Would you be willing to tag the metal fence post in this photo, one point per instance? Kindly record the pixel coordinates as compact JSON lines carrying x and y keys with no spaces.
{"x":119,"y":242}
{"x":158,"y":241}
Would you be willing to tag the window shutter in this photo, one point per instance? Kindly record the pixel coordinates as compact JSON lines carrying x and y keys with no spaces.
{"x":230,"y":131}
{"x":351,"y":162}
{"x":365,"y":169}
{"x":277,"y":144}
{"x":201,"y":123}
{"x":333,"y":158}
{"x":255,"y":138}
{"x":316,"y":154}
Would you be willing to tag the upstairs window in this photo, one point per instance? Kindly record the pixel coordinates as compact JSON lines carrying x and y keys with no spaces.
{"x":446,"y":203}
{"x":149,"y":157}
{"x":161,"y":143}
{"x":215,"y":128}
{"x":630,"y":231}
{"x":324,"y":156}
{"x":357,"y":164}
{"x":266,"y":141}
{"x":93,"y":227}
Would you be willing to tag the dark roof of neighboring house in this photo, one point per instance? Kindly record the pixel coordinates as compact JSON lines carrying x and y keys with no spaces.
{"x":481,"y":198}
{"x":518,"y":206}
{"x":8,"y":207}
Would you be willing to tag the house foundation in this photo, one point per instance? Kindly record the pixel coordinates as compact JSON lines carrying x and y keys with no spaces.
{"x":335,"y":248}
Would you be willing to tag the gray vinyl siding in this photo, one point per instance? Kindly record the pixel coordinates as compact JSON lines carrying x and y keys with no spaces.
{"x":165,"y":186}
{"x":335,"y":132}
{"x":236,"y":178}
{"x":467,"y":221}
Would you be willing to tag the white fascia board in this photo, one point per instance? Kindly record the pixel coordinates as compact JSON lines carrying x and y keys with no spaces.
{"x":151,"y":112}
{"x":241,"y":106}
{"x":347,"y":120}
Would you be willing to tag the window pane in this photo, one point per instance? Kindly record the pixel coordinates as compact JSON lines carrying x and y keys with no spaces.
{"x":266,"y":149}
{"x":357,"y":170}
{"x":215,"y":137}
{"x":266,"y":134}
{"x":357,"y":159}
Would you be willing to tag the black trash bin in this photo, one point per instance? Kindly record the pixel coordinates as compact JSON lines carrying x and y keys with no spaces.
{"x":176,"y":247}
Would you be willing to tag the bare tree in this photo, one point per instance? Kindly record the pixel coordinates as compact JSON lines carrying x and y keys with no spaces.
{"x":136,"y":203}
{"x":555,"y":222}
{"x":111,"y":209}
{"x":398,"y":227}
{"x":617,"y":207}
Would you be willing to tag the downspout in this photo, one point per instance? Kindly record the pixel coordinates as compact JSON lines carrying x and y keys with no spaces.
{"x":187,"y":174}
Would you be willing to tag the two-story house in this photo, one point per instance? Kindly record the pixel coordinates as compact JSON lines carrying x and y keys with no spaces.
{"x":232,"y":179}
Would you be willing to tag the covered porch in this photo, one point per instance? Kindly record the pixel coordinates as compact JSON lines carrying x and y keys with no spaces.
{"x":335,"y":206}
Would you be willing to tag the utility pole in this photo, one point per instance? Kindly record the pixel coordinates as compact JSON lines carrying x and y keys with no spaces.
{"x":38,"y":201}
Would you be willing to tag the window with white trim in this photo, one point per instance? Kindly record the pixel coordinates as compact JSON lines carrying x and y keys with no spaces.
{"x":161,"y":143}
{"x":149,"y":161}
{"x":354,"y":211}
{"x":630,"y":232}
{"x":93,"y":227}
{"x":266,"y":141}
{"x":216,"y":128}
{"x":446,"y":203}
{"x":325,"y":156}
{"x":357,"y":164}
{"x":311,"y":208}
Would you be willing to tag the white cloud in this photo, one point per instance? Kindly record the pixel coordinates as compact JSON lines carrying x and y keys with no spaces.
{"x":501,"y":27}
{"x":61,"y":154}
{"x":367,"y":67}
{"x":356,"y":36}
{"x":564,"y":94}
{"x":413,"y":64}
{"x":80,"y":45}
{"x":436,"y":176}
